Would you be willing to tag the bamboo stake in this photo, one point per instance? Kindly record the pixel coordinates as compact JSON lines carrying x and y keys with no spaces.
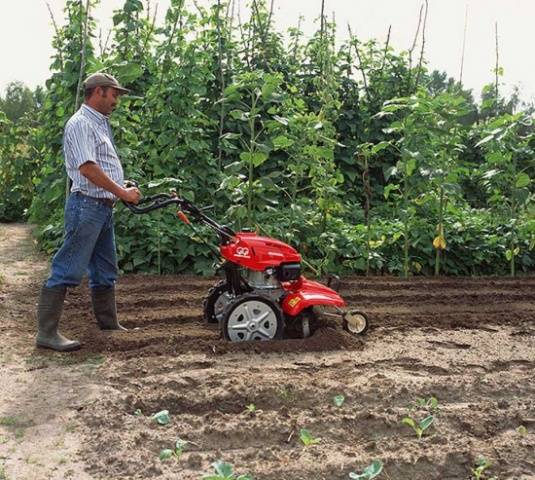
{"x":83,"y":43}
{"x":387,"y":44}
{"x":361,"y":68}
{"x":221,"y":86}
{"x":322,"y":18}
{"x":82,"y":70}
{"x":411,"y":50}
{"x":497,"y":68}
{"x":56,"y":29}
{"x":423,"y":46}
{"x":464,"y":43}
{"x":151,"y":30}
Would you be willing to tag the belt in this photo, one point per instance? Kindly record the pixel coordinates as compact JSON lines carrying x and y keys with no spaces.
{"x":105,"y":201}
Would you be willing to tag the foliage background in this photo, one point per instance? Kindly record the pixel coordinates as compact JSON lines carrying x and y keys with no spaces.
{"x":356,"y":154}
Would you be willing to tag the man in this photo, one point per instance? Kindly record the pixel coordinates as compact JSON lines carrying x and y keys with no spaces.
{"x":89,"y":244}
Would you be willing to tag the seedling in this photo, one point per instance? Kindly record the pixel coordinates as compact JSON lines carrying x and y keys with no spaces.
{"x":371,"y":471}
{"x":307,"y":439}
{"x":138,"y":412}
{"x":162,"y":417}
{"x":224,"y":472}
{"x":339,"y":400}
{"x":522,"y":430}
{"x":482,"y":464}
{"x":419,"y":427}
{"x":252,"y":410}
{"x":167,"y":453}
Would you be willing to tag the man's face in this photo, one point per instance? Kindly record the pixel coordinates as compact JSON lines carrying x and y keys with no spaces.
{"x":108,"y":98}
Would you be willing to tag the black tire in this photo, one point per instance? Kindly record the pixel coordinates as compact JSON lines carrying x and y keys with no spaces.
{"x":276,"y":322}
{"x":209,"y":301}
{"x":361,"y":329}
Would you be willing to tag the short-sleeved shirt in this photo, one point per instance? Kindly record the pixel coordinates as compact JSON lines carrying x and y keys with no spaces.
{"x":88,"y":138}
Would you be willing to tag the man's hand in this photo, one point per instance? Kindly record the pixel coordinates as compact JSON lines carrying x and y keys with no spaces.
{"x":131,"y":195}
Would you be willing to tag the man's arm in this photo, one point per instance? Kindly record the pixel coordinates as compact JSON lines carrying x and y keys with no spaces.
{"x":96,"y":175}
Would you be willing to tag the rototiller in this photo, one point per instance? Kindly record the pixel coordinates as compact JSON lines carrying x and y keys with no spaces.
{"x":263,"y":291}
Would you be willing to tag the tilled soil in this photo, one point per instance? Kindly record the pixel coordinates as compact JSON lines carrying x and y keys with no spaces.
{"x":467,"y":342}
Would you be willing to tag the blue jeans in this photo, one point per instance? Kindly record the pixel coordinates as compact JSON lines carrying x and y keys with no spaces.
{"x":88,"y":245}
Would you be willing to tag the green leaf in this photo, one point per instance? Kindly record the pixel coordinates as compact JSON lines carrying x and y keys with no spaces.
{"x":166,"y":454}
{"x":223,"y":469}
{"x":410,"y":167}
{"x":256,"y":158}
{"x":162,"y":417}
{"x":339,"y":400}
{"x":129,"y":72}
{"x":371,"y":471}
{"x":282,"y":142}
{"x":426,"y":422}
{"x":180,"y":444}
{"x":410,"y":422}
{"x":306,"y":438}
{"x":380,"y":146}
{"x":522,"y":180}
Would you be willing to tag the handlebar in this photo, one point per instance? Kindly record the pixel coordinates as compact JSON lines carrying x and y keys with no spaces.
{"x":161,"y":200}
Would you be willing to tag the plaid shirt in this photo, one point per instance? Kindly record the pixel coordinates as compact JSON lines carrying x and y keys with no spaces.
{"x":88,"y":138}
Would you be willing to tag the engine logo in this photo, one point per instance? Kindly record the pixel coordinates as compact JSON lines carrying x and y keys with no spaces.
{"x":243,"y":252}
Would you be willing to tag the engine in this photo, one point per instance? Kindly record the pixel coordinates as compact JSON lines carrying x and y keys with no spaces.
{"x":268,"y":282}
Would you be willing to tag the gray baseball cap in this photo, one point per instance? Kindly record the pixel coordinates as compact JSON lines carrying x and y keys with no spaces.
{"x":101,"y":79}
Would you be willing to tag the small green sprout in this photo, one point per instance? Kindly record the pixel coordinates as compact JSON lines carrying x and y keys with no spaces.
{"x":167,"y":453}
{"x":339,"y":400}
{"x":371,"y":471}
{"x":307,"y":439}
{"x":224,"y":472}
{"x":419,"y":427}
{"x":252,"y":410}
{"x":138,"y":412}
{"x":522,"y":430}
{"x":482,"y":464}
{"x":162,"y":417}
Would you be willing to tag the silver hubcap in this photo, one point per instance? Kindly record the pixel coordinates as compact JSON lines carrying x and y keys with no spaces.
{"x":356,"y":322}
{"x":252,"y":320}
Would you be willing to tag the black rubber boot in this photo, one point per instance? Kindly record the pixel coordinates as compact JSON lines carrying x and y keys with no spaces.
{"x":49,"y":313}
{"x":105,"y":308}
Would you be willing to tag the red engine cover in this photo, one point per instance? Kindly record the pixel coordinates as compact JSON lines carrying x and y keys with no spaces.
{"x":258,"y":253}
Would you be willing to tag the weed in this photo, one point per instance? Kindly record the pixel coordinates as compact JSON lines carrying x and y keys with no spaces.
{"x":138,"y":412}
{"x":3,"y":474}
{"x":307,"y":439}
{"x":419,"y":427}
{"x":176,"y":452}
{"x":9,"y":421}
{"x":522,"y":430}
{"x":223,"y":471}
{"x":371,"y":471}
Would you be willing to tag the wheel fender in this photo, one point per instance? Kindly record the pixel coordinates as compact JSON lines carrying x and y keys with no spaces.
{"x":296,"y":302}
